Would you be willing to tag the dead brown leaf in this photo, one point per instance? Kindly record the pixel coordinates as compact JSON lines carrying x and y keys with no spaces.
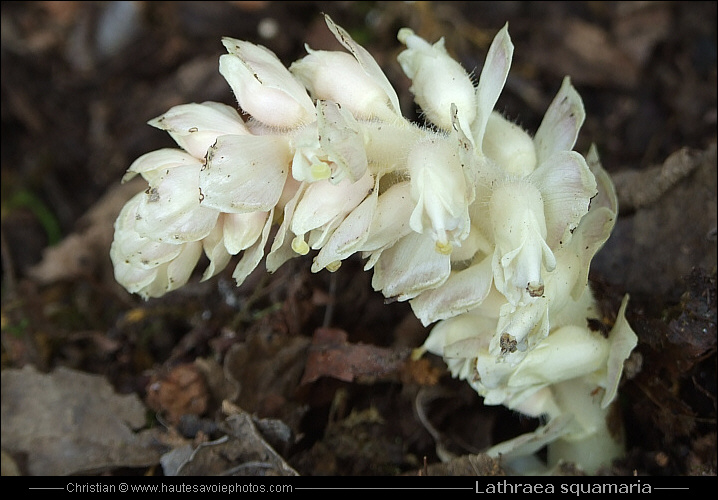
{"x":182,"y":391}
{"x":330,"y":355}
{"x":69,"y":422}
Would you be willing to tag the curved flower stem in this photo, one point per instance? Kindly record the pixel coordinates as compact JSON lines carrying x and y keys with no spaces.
{"x":598,"y":438}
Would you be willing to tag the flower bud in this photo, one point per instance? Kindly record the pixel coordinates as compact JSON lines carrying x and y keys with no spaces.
{"x":338,"y":77}
{"x":438,"y":81}
{"x":509,"y":146}
{"x":263,"y":87}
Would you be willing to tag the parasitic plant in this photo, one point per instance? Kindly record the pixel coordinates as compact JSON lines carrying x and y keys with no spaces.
{"x":486,"y":230}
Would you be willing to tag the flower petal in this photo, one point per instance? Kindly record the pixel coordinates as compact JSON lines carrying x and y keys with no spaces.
{"x":367,"y":62}
{"x":170,"y":211}
{"x":492,"y":81}
{"x":195,"y":127}
{"x":282,"y":250}
{"x":563,"y":119}
{"x":242,"y":230}
{"x":176,"y":273}
{"x":253,"y":255}
{"x":623,"y":340}
{"x":595,"y":227}
{"x":350,"y":234}
{"x":462,"y":291}
{"x":390,"y":222}
{"x":324,"y":205}
{"x":410,"y":267}
{"x":340,"y":78}
{"x":214,"y":249}
{"x":567,"y":186}
{"x":245,"y":173}
{"x":263,"y":87}
{"x":151,"y":165}
{"x":437,"y":81}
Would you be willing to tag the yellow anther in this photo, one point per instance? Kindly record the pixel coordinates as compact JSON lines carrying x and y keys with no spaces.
{"x":333,"y":266}
{"x":321,"y":171}
{"x":444,"y":248}
{"x":300,"y":246}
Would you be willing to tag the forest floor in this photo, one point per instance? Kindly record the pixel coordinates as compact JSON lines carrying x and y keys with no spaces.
{"x":235,"y":373}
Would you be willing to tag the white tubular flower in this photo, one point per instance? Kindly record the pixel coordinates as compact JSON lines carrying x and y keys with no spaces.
{"x":264,"y":88}
{"x":390,"y":222}
{"x":519,"y":227}
{"x":195,"y":127}
{"x":437,"y":81}
{"x":232,"y":234}
{"x":284,"y":246}
{"x":351,"y":233}
{"x":146,"y":266}
{"x":410,"y":267}
{"x":532,"y":217}
{"x":340,"y":78}
{"x":245,"y":173}
{"x":333,"y":149}
{"x":355,"y":82}
{"x":440,"y":190}
{"x":461,"y":292}
{"x":170,"y":209}
{"x":324,"y":206}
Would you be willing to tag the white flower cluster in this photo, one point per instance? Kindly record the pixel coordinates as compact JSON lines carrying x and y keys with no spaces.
{"x":483,"y":228}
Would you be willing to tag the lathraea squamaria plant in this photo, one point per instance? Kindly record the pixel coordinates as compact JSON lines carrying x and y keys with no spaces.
{"x":488,"y":231}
